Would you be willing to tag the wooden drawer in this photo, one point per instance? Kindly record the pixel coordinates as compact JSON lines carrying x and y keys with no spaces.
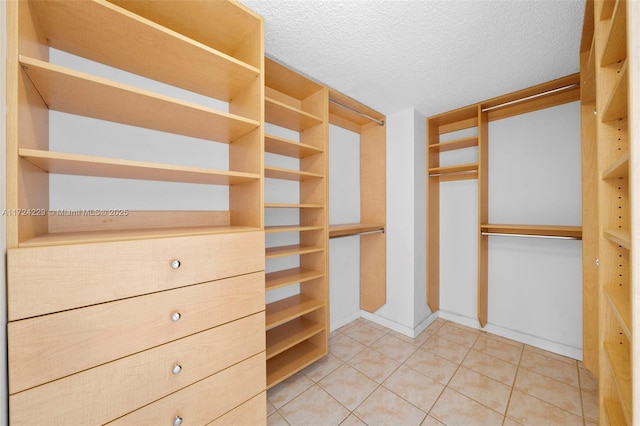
{"x":104,"y":393}
{"x":208,"y":399}
{"x":44,"y":280}
{"x":252,"y":412}
{"x":49,"y":347}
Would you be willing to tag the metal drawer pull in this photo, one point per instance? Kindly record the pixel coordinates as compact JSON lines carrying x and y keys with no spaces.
{"x":177,"y":369}
{"x":175,"y":264}
{"x":176,"y":316}
{"x":177,"y":421}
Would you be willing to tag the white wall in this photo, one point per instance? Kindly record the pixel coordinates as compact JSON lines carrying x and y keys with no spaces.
{"x":534,"y":285}
{"x":4,"y":418}
{"x":405,"y":310}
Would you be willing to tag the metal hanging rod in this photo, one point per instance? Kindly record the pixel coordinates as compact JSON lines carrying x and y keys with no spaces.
{"x":368,"y":117}
{"x":551,"y":237}
{"x":526,"y":98}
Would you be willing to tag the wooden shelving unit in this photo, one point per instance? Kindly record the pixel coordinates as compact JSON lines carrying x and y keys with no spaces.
{"x":298,"y":326}
{"x":475,"y":119}
{"x":370,"y":125}
{"x":609,"y":51}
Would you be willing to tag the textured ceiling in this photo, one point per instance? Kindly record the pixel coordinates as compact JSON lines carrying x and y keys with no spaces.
{"x":426,"y":54}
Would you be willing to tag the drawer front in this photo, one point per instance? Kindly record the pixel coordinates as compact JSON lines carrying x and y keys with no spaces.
{"x":252,"y":412}
{"x":208,"y":399}
{"x":49,"y":347}
{"x":44,"y":280}
{"x":104,"y":393}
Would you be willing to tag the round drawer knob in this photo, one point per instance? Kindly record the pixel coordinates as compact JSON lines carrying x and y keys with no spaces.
{"x":177,"y":369}
{"x":177,"y":421}
{"x":175,"y":316}
{"x":175,"y":264}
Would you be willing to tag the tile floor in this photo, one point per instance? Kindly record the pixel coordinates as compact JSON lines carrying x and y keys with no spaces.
{"x":449,"y":375}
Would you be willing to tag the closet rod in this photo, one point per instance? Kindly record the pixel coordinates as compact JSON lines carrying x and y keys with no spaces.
{"x":552,"y":237}
{"x":368,"y":117}
{"x":526,"y":98}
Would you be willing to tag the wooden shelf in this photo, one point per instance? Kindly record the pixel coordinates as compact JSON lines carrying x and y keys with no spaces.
{"x":290,"y":276}
{"x":621,"y":237}
{"x":285,"y":80}
{"x":342,"y":112}
{"x":291,"y":250}
{"x":615,"y":49}
{"x":619,"y":362}
{"x":289,"y":174}
{"x":616,"y":106}
{"x":619,"y":169}
{"x":541,"y":230}
{"x":283,"y":115}
{"x":620,"y":305}
{"x":457,"y":169}
{"x":462,"y":118}
{"x":455,"y":144}
{"x":292,"y":228}
{"x":344,"y":230}
{"x":291,"y":361}
{"x":292,"y":206}
{"x":86,"y":165}
{"x":289,"y":148}
{"x":66,"y":90}
{"x":102,"y":32}
{"x":87,"y":237}
{"x":282,"y":311}
{"x":288,"y":335}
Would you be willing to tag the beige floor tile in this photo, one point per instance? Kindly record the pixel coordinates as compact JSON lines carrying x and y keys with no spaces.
{"x":344,"y":347}
{"x":458,"y":335}
{"x":394,"y":348}
{"x":285,"y":391}
{"x":498,"y":349}
{"x":276,"y":419}
{"x":419,"y":390}
{"x":503,"y":340}
{"x":375,"y":325}
{"x":430,"y":421}
{"x":588,"y":381}
{"x":510,"y":422}
{"x":374,"y":364}
{"x":270,"y":408}
{"x":349,"y":386}
{"x":453,"y":409}
{"x":446,"y":348}
{"x":590,"y":410}
{"x":550,"y":367}
{"x":588,"y":423}
{"x":551,"y":355}
{"x":550,"y":390}
{"x":321,"y":368}
{"x":482,"y":389}
{"x":531,"y":411}
{"x":365,"y":333}
{"x":383,"y":407}
{"x":491,"y":366}
{"x":314,"y":407}
{"x":352,"y":420}
{"x":432,"y":365}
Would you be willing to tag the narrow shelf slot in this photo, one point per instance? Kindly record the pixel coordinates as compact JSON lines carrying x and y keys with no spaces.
{"x":615,"y":48}
{"x":292,"y":206}
{"x":283,"y":115}
{"x":620,"y":305}
{"x":286,"y":336}
{"x":344,"y":230}
{"x":73,"y":92}
{"x":86,"y":165}
{"x":289,"y":148}
{"x":289,"y":174}
{"x":616,"y":106}
{"x":282,"y":311}
{"x":290,"y":250}
{"x":619,"y":364}
{"x":534,"y":230}
{"x":103,"y":32}
{"x":292,"y":228}
{"x":291,"y":361}
{"x":457,"y":169}
{"x":621,"y":237}
{"x":455,"y":144}
{"x":619,"y":169}
{"x":291,"y":276}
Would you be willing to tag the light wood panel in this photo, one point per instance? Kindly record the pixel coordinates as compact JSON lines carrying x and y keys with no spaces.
{"x":285,"y":310}
{"x":288,"y":363}
{"x":290,"y":276}
{"x":347,"y":229}
{"x":282,"y":146}
{"x":288,"y":335}
{"x":536,"y":230}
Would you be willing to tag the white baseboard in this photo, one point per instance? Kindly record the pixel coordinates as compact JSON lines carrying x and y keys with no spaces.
{"x":344,"y":321}
{"x":402,"y":329}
